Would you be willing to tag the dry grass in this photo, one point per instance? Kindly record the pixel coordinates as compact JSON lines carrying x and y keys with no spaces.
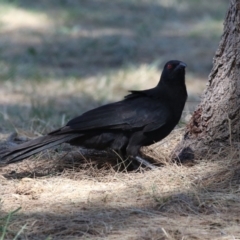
{"x":61,"y":58}
{"x":173,"y":202}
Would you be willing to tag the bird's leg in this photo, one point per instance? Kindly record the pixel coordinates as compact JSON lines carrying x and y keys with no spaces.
{"x":124,"y":163}
{"x":133,"y":151}
{"x":144,"y":162}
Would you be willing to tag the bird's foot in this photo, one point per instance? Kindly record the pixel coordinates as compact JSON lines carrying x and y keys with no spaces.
{"x":144,"y":162}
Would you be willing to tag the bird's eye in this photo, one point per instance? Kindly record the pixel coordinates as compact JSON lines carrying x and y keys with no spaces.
{"x":169,"y":66}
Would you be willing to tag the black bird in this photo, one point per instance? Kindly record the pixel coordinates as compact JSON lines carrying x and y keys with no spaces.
{"x":140,"y":119}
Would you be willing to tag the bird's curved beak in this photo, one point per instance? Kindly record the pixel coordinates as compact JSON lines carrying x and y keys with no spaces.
{"x":182,"y":64}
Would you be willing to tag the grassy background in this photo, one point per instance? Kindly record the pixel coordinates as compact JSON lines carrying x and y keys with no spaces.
{"x":59,"y":58}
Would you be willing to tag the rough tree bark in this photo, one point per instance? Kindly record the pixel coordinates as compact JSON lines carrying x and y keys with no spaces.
{"x":216,"y":121}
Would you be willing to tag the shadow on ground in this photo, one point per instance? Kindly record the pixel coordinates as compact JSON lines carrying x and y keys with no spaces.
{"x":133,"y":211}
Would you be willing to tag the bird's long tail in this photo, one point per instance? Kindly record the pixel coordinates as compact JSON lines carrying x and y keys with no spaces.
{"x":29,"y":148}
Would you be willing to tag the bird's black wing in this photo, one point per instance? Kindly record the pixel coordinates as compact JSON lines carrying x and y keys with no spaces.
{"x":136,"y":111}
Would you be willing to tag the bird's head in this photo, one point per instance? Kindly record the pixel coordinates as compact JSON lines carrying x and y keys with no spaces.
{"x":173,"y":70}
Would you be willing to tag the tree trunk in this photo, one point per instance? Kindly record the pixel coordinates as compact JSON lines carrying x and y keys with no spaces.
{"x":216,"y":121}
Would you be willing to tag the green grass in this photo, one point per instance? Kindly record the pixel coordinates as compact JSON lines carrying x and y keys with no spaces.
{"x":4,"y":224}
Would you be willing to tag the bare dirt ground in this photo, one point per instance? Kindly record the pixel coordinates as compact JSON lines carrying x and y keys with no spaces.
{"x":61,"y":58}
